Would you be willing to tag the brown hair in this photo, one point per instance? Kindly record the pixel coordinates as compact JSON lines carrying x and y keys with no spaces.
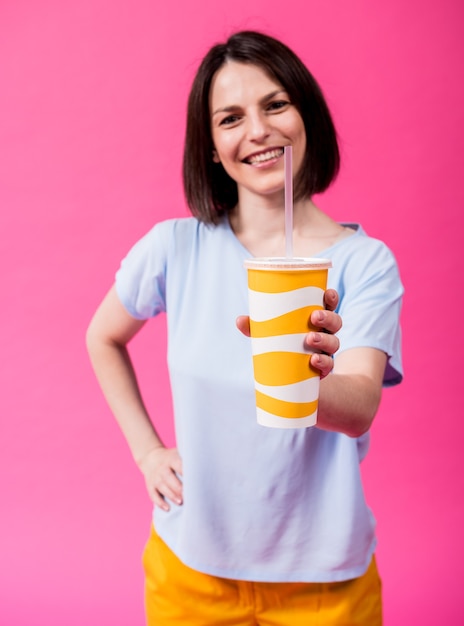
{"x":209,"y":190}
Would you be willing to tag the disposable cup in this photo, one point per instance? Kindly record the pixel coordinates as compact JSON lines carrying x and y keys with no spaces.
{"x":283,"y":292}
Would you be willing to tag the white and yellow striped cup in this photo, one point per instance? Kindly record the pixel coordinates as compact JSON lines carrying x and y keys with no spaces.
{"x":283,"y":292}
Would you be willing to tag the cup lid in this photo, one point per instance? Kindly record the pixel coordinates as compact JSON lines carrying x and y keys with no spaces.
{"x":287,"y":263}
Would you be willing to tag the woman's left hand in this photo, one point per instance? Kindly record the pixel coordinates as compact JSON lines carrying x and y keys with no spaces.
{"x":325,"y":343}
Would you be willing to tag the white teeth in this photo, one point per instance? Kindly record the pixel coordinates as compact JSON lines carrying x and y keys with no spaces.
{"x":266,"y":156}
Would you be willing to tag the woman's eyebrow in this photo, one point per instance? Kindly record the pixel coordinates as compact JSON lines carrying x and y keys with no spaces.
{"x":227,"y":109}
{"x":271,"y":95}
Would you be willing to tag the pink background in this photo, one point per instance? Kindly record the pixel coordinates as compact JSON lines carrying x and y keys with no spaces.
{"x":92,"y":102}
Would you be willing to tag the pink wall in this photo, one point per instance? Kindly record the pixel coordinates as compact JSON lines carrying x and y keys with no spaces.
{"x":91,"y":128}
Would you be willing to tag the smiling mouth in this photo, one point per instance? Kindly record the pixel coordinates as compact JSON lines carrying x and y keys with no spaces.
{"x":262,"y":157}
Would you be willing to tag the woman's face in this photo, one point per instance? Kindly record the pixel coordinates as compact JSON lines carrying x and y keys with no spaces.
{"x":252,"y":120}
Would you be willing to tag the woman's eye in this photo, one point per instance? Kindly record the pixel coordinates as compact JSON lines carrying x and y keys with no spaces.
{"x":278,"y":104}
{"x":230,"y":119}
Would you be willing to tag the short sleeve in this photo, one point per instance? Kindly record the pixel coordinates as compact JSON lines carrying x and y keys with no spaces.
{"x":141,"y":278}
{"x":371,"y":295}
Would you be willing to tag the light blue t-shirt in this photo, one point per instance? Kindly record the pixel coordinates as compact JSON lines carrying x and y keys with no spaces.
{"x":260,"y":504}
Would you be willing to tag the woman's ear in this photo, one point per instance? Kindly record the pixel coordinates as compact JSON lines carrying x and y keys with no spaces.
{"x":216,"y":158}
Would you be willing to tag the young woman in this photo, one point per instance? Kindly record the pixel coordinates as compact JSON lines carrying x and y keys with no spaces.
{"x":253,"y":525}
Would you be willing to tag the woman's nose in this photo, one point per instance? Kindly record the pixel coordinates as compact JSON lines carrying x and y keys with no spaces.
{"x":257,"y":127}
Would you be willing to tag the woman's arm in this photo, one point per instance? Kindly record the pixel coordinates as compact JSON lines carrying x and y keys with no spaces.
{"x":350,"y":396}
{"x":107,"y":337}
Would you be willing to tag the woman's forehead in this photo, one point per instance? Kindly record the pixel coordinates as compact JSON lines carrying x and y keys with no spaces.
{"x":235,"y":80}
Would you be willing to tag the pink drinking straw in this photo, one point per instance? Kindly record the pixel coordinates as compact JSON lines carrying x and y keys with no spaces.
{"x":288,"y":201}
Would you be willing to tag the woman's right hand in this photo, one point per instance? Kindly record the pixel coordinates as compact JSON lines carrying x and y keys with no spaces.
{"x":161,"y":468}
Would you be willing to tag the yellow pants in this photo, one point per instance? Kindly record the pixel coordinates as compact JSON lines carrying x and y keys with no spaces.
{"x":178,"y":595}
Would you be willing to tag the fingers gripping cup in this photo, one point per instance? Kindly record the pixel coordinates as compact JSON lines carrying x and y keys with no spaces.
{"x":283,"y":292}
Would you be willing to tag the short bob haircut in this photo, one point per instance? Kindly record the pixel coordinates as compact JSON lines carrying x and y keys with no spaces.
{"x":209,"y":190}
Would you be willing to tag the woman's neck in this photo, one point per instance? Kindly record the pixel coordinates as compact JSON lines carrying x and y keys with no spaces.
{"x":260,"y":226}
